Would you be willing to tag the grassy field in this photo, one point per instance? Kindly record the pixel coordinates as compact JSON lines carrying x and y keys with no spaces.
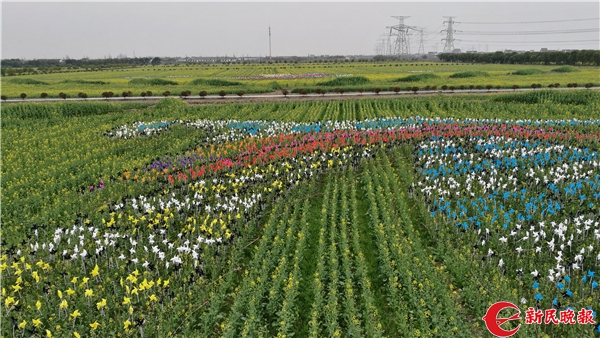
{"x":197,"y":78}
{"x":368,"y":218}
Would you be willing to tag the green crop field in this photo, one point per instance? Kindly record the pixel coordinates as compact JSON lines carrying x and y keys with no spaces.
{"x":391,"y":217}
{"x":261,"y":78}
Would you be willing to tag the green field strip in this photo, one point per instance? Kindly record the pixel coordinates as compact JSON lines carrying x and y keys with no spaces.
{"x":312,"y":255}
{"x":319,"y":277}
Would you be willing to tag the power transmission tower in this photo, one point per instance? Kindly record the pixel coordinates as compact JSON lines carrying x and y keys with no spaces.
{"x":449,"y":46}
{"x":269,"y":42}
{"x":387,"y":49}
{"x":402,"y":46}
{"x":421,"y":46}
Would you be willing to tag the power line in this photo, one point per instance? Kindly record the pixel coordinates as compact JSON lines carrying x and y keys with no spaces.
{"x":584,"y":30}
{"x":524,"y":22}
{"x":511,"y":42}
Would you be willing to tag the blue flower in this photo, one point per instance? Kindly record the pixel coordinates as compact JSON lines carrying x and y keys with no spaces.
{"x":538,"y":296}
{"x":594,"y":285}
{"x":568,"y":279}
{"x":535,"y":285}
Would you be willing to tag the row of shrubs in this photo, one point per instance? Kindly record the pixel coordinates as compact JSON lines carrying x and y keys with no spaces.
{"x":302,"y":91}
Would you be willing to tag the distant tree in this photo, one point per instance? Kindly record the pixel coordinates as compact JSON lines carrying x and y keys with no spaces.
{"x":471,"y":87}
{"x":166,"y":93}
{"x":4,"y":97}
{"x":444,"y":87}
{"x":489,"y":87}
{"x":515,"y":87}
{"x":376,"y":90}
{"x":589,"y":85}
{"x":44,"y":95}
{"x":80,"y":94}
{"x":111,"y":94}
{"x":462,"y":87}
{"x":533,"y":85}
{"x":396,"y":89}
{"x":222,"y":94}
{"x":574,"y":85}
{"x":143,"y":95}
{"x":302,"y":91}
{"x":361,"y":90}
{"x":240,"y":93}
{"x":451,"y":88}
{"x":62,"y":95}
{"x":427,"y":88}
{"x":342,"y":91}
{"x":415,"y":89}
{"x":84,"y":96}
{"x":433,"y":87}
{"x":285,"y":93}
{"x":202,"y":94}
{"x":105,"y":95}
{"x":124,"y":94}
{"x":556,"y":85}
{"x":23,"y":96}
{"x":184,"y":94}
{"x":498,"y":87}
{"x":148,"y":93}
{"x":551,"y":85}
{"x":156,"y":61}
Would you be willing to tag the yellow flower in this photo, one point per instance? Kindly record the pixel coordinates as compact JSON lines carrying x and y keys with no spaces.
{"x":89,"y":293}
{"x":130,"y":309}
{"x":84,"y":281}
{"x":16,"y":288}
{"x":77,"y":335}
{"x":95,"y":271}
{"x":101,"y":304}
{"x":126,"y":300}
{"x":75,"y":314}
{"x":165,"y":283}
{"x":9,"y":300}
{"x":48,"y":334}
{"x":74,"y":280}
{"x":94,"y":325}
{"x":153,"y":298}
{"x":37,"y":322}
{"x":70,"y":292}
{"x":63,"y":304}
{"x":127,"y":323}
{"x":38,"y":304}
{"x":22,"y":324}
{"x":35,"y":276}
{"x":59,"y":294}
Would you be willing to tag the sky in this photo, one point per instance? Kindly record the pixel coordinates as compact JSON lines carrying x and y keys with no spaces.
{"x":37,"y":30}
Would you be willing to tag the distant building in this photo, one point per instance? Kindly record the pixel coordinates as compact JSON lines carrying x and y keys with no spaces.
{"x":456,"y":51}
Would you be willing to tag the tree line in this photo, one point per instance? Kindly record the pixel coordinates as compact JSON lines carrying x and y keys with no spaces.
{"x":573,"y":58}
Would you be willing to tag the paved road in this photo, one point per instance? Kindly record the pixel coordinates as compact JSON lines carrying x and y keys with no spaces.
{"x":291,"y":96}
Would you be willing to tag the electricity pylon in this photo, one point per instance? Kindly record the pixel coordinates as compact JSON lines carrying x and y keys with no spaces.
{"x":402,"y":46}
{"x":449,"y":46}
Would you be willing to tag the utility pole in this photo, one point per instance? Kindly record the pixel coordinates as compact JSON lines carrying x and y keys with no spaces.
{"x":269,"y":42}
{"x":449,"y":46}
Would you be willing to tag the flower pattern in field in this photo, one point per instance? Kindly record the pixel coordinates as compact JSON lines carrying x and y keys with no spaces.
{"x":523,"y":194}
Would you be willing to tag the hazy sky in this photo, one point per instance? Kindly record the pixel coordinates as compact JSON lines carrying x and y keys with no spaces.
{"x":77,"y":29}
